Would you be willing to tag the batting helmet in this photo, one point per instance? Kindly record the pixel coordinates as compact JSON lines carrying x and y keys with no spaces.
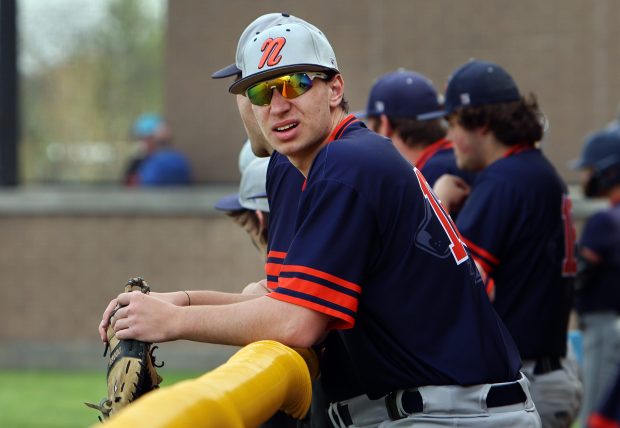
{"x":601,"y":153}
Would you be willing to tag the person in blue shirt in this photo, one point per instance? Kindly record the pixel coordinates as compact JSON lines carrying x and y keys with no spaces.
{"x":376,"y":273}
{"x":158,"y":163}
{"x":598,"y":292}
{"x":516,"y":221}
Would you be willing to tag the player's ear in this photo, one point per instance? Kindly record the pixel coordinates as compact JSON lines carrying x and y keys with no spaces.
{"x":385,"y":128}
{"x":263,"y":220}
{"x":336,"y":86}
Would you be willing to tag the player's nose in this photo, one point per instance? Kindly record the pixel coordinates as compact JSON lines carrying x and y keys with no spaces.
{"x":279,"y":104}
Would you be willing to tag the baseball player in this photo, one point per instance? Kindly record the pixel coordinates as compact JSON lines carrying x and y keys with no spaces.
{"x":288,"y":180}
{"x":248,"y":207}
{"x":405,"y":107}
{"x":598,"y":294}
{"x":517,"y":224}
{"x":375,"y":272}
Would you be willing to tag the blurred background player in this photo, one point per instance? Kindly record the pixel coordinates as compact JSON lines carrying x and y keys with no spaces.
{"x":517,"y":224}
{"x":404,"y":106}
{"x":249,"y":208}
{"x":598,"y":292}
{"x":157,"y":163}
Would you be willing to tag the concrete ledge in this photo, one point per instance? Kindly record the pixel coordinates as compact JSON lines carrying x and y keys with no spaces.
{"x":112,"y":200}
{"x":84,"y":355}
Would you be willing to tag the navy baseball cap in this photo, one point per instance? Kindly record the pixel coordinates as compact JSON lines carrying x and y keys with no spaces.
{"x":404,"y":94}
{"x":600,"y":148}
{"x":479,"y":83}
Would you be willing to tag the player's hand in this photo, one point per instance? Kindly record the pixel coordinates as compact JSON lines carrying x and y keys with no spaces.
{"x":105,"y":320}
{"x":146,"y":318}
{"x":259,"y":288}
{"x":452,"y":191}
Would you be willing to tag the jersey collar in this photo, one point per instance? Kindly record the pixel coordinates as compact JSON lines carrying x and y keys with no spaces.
{"x":430,"y":151}
{"x":341,"y":127}
{"x":519,"y":148}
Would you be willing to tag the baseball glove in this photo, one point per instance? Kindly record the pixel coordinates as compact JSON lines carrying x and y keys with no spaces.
{"x":131,"y":366}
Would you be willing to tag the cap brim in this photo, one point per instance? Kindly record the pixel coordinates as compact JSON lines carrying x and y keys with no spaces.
{"x":362,"y":114}
{"x":241,"y":85}
{"x":431,"y":115}
{"x":229,"y":203}
{"x":258,"y":195}
{"x":229,"y":70}
{"x":577,"y":164}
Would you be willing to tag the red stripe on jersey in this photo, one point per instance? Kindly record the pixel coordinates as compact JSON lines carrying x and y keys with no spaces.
{"x":483,"y":264}
{"x":599,"y":421}
{"x":322,"y":275}
{"x":482,"y":252}
{"x":518,"y":149}
{"x":322,"y":292}
{"x":340,"y":128}
{"x":490,"y":288}
{"x":430,"y":151}
{"x":344,"y":321}
{"x":277,"y":254}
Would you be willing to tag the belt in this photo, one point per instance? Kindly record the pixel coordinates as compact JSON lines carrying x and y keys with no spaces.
{"x":546,"y":364}
{"x":411,"y":401}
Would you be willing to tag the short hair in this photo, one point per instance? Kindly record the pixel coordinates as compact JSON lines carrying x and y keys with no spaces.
{"x":415,"y":132}
{"x":512,"y":123}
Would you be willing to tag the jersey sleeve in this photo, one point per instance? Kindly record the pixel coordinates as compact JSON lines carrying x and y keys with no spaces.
{"x":486,"y":222}
{"x":329,"y":254}
{"x":595,"y":235}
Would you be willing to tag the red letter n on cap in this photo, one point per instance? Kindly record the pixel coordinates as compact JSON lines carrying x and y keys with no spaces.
{"x":271,"y":52}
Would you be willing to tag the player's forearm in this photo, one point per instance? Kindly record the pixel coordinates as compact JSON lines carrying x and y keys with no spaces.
{"x":209,"y":297}
{"x":245,"y":322}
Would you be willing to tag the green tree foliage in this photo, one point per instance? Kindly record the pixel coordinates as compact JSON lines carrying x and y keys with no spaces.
{"x":77,"y":110}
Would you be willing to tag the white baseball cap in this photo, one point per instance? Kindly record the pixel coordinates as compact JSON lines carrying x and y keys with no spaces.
{"x":259,"y":24}
{"x":246,"y":155}
{"x":282,"y":48}
{"x":252,"y":189}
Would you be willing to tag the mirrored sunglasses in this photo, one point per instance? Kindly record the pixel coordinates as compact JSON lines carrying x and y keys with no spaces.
{"x":290,"y":86}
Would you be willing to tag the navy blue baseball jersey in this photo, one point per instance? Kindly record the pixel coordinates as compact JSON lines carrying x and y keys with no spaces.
{"x":601,"y":234}
{"x":285,"y":181}
{"x":373,"y":249}
{"x":438,"y":159}
{"x":518,"y":226}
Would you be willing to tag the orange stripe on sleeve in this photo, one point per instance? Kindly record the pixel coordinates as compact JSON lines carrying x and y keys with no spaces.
{"x":273,"y":269}
{"x":277,"y":254}
{"x":323,"y":275}
{"x":484,"y":265}
{"x":345,"y":321}
{"x":320,"y":291}
{"x":484,"y":253}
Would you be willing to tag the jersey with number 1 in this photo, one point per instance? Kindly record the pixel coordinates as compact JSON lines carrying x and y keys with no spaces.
{"x":373,"y":249}
{"x":517,"y":223}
